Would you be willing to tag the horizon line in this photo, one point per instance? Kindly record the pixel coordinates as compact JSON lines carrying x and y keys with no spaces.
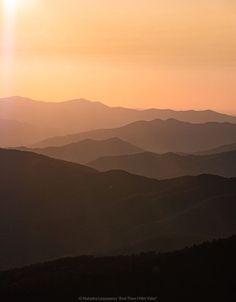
{"x":80,"y":99}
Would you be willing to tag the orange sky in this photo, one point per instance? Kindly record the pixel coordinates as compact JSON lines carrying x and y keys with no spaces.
{"x":138,"y":53}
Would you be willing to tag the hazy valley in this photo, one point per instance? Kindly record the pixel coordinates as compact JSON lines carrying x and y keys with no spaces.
{"x":103,"y":181}
{"x":52,"y":208}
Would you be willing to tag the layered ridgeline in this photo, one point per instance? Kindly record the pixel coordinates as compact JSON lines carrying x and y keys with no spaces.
{"x":170,"y":165}
{"x":159,"y":136}
{"x":220,"y":149}
{"x":114,"y":153}
{"x":82,"y":115}
{"x":88,"y":150}
{"x":201,"y":273}
{"x":52,"y":208}
{"x":15,"y":133}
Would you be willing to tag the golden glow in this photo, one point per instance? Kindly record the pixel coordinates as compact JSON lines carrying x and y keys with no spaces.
{"x":172,"y":53}
{"x":10,"y":4}
{"x":7,"y":43}
{"x":13,"y":5}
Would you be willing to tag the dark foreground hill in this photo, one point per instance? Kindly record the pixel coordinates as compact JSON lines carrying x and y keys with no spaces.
{"x":160,"y":136}
{"x":170,"y":165}
{"x":88,"y":150}
{"x":201,"y":273}
{"x":52,"y":208}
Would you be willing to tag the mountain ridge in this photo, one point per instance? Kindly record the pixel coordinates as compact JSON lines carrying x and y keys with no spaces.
{"x":14,"y":133}
{"x":170,"y":165}
{"x":52,"y":208}
{"x":88,"y":150}
{"x":220,"y":149}
{"x":149,"y":274}
{"x":159,"y":136}
{"x":82,"y":115}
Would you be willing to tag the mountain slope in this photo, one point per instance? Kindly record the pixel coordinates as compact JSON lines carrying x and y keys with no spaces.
{"x":200,"y":273}
{"x":160,"y":136}
{"x":82,"y":115}
{"x":88,"y":150}
{"x":14,"y":133}
{"x":220,"y":149}
{"x":52,"y":208}
{"x":169,"y":165}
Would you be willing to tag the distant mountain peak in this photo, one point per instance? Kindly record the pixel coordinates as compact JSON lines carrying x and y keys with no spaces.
{"x":87,"y":102}
{"x":170,"y":165}
{"x":88,"y":149}
{"x":82,"y":115}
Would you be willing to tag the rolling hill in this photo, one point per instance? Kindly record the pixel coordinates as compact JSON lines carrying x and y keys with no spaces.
{"x":201,"y":273}
{"x":220,"y":149}
{"x":15,"y":133}
{"x":82,"y":115}
{"x":88,"y":150}
{"x":52,"y":208}
{"x":170,"y":165}
{"x":159,"y":136}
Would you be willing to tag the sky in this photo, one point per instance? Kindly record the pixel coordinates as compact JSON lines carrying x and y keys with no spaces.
{"x":178,"y":54}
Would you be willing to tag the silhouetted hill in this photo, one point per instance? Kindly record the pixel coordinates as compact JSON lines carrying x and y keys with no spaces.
{"x":52,"y":208}
{"x":14,"y":133}
{"x":220,"y":149}
{"x":37,"y":164}
{"x":83,"y":115}
{"x":169,"y":165}
{"x":88,"y":150}
{"x":200,"y":273}
{"x":160,"y":136}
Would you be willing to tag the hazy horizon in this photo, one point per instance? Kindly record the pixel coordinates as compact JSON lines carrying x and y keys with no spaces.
{"x":116,"y":105}
{"x":138,"y":54}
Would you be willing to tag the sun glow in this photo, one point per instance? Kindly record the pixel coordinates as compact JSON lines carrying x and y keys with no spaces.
{"x":7,"y":43}
{"x":10,"y":5}
{"x":11,"y":12}
{"x":128,"y":51}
